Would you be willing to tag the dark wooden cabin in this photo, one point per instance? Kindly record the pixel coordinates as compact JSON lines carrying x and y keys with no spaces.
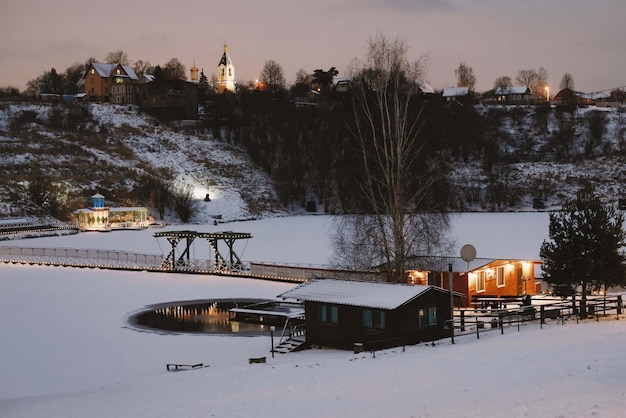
{"x":342,"y":313}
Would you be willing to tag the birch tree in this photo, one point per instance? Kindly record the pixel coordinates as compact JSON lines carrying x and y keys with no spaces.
{"x":396,"y":175}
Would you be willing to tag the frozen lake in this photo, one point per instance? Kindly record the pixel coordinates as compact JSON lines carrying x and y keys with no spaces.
{"x":306,"y":239}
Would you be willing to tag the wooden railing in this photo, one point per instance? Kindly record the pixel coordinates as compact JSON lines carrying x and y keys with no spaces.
{"x":513,"y":313}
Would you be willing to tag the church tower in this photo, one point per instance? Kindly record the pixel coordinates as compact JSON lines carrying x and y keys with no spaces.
{"x":225,"y":73}
{"x":194,"y":73}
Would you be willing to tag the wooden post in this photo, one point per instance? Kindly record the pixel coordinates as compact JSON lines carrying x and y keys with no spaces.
{"x":451,"y":302}
{"x":462,"y":320}
{"x":477,"y":331}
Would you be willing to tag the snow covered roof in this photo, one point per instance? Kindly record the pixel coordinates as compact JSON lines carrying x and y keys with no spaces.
{"x":455,"y":91}
{"x":429,"y":263}
{"x":596,"y":96}
{"x":105,"y":70}
{"x":127,"y":209}
{"x":426,"y":88}
{"x":512,"y":90}
{"x":356,"y":293}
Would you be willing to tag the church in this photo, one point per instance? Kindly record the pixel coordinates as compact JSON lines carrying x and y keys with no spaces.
{"x":225,"y":73}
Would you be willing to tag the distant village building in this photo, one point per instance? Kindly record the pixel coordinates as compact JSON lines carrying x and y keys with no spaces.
{"x":512,"y":95}
{"x":457,"y":95}
{"x":103,"y":218}
{"x":172,"y":99}
{"x":225,"y":73}
{"x":113,"y":83}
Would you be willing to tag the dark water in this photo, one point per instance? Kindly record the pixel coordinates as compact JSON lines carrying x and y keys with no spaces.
{"x":202,"y":317}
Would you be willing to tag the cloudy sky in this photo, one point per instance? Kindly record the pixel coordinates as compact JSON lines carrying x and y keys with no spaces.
{"x":586,"y":38}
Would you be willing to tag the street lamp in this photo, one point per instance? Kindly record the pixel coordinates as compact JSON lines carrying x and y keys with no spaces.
{"x":272,"y":329}
{"x":547,"y":89}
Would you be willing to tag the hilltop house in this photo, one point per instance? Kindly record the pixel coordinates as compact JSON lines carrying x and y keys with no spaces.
{"x":457,"y":95}
{"x":114,"y":83}
{"x":171,"y":99}
{"x":518,"y":95}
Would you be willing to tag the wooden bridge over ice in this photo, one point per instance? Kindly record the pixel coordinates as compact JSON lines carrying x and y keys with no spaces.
{"x":221,"y":258}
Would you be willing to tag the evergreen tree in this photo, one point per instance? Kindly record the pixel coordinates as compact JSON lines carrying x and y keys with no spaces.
{"x":584,"y":248}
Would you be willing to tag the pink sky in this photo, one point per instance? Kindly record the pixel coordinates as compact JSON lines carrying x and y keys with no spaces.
{"x":494,"y":37}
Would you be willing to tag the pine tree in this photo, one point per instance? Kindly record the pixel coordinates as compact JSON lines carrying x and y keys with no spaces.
{"x":585,"y":244}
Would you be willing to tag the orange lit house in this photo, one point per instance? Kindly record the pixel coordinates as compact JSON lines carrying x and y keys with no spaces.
{"x":482,"y":276}
{"x":114,"y":83}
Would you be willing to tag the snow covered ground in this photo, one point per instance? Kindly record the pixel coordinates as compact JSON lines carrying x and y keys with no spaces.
{"x":67,"y":350}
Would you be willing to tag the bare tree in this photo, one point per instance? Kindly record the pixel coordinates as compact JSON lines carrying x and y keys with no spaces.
{"x":567,"y":82}
{"x":503,"y":82}
{"x":272,"y":76}
{"x":142,"y":68}
{"x":175,"y":69}
{"x":535,"y":80}
{"x":302,"y":84}
{"x":302,"y":76}
{"x":397,"y":177}
{"x":465,"y":76}
{"x":117,"y":57}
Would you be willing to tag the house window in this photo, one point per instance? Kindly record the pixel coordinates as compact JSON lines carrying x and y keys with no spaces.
{"x":427,"y":317}
{"x":328,"y":314}
{"x":373,"y":319}
{"x":128,"y":99}
{"x":93,"y":71}
{"x":480,"y":281}
{"x":500,"y":276}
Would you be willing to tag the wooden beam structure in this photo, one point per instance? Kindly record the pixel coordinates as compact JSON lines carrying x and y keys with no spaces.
{"x":228,"y":263}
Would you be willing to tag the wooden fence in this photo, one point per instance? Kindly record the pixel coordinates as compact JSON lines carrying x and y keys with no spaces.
{"x":514,"y":313}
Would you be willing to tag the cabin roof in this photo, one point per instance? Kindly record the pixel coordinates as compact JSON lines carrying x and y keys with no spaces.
{"x":356,"y":293}
{"x":434,"y":263}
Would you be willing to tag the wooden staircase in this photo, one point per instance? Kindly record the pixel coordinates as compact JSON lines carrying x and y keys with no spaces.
{"x":294,"y":343}
{"x":293,"y":336}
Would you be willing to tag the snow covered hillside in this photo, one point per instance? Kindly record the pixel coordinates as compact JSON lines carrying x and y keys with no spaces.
{"x":109,"y":148}
{"x":521,"y":158}
{"x":540,"y":156}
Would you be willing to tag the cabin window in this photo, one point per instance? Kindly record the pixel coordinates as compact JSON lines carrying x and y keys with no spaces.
{"x":480,"y":281}
{"x":427,"y":317}
{"x":373,"y":319}
{"x":328,"y":314}
{"x":500,"y":276}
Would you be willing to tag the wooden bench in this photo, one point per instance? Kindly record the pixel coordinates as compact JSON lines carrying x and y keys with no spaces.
{"x":173,"y":367}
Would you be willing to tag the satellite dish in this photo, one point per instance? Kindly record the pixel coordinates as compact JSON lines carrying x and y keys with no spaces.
{"x":468,"y":253}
